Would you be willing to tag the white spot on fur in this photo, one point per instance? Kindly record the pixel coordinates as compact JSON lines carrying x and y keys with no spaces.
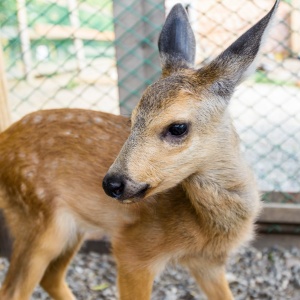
{"x":35,"y":158}
{"x":67,"y":132}
{"x":103,"y":137}
{"x":40,"y":193}
{"x":28,"y":173}
{"x":51,"y":141}
{"x":68,"y":117}
{"x":11,"y":156}
{"x":82,"y":119}
{"x":23,"y":188}
{"x":40,"y":217}
{"x":52,"y":118}
{"x":98,"y":120}
{"x":54,"y":165}
{"x":37,"y":119}
{"x":22,"y":155}
{"x":88,"y":141}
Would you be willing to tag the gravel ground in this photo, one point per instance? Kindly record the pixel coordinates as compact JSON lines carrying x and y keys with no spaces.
{"x":273,"y":273}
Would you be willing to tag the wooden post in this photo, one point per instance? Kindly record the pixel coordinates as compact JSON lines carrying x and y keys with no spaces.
{"x":295,"y":27}
{"x":75,"y":23}
{"x":137,"y":27}
{"x":24,"y":36}
{"x":4,"y":111}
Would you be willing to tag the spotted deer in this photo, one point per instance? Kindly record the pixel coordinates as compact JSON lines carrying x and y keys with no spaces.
{"x":183,"y":192}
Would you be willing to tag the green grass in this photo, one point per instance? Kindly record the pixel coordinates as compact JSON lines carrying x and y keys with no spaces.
{"x":72,"y":84}
{"x":261,"y":77}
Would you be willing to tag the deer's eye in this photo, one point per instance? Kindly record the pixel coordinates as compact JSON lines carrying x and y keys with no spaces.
{"x":178,"y":129}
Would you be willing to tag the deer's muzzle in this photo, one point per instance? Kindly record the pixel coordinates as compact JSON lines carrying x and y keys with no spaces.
{"x":122,"y":188}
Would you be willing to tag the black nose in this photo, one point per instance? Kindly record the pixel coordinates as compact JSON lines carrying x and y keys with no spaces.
{"x":113,"y":186}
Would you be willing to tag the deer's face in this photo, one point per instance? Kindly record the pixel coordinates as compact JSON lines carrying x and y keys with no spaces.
{"x":173,"y":127}
{"x":181,"y":119}
{"x":173,"y":131}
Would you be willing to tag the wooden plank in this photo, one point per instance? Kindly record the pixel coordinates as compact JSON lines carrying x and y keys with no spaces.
{"x":287,"y":241}
{"x":78,"y":43}
{"x":4,"y":110}
{"x":280,"y":213}
{"x":24,"y":36}
{"x":295,"y":27}
{"x":281,"y":197}
{"x":57,"y":32}
{"x":279,"y":228}
{"x":137,"y":27}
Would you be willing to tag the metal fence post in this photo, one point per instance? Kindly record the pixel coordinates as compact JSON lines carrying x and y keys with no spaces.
{"x":137,"y":26}
{"x":4,"y":111}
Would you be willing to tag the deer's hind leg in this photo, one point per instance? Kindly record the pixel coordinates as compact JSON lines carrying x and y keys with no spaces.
{"x":37,"y":242}
{"x":53,"y":281}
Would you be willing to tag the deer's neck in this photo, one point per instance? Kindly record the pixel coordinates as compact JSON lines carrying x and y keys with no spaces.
{"x":223,"y":197}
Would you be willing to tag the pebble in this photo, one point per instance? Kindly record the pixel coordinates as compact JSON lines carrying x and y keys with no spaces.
{"x":270,"y":274}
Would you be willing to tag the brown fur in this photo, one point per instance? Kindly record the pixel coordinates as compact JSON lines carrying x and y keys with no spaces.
{"x":52,"y":165}
{"x":201,"y":202}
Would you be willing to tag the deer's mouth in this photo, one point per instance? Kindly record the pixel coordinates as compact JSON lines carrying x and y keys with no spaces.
{"x":140,"y":195}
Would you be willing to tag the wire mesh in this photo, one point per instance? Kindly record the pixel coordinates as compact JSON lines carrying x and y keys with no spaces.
{"x":75,"y":53}
{"x":71,"y":62}
{"x":265,"y":109}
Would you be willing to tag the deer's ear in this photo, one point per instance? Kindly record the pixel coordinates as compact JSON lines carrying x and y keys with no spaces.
{"x":239,"y":60}
{"x":176,"y":42}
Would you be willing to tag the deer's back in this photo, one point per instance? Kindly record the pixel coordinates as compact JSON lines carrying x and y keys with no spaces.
{"x":50,"y":150}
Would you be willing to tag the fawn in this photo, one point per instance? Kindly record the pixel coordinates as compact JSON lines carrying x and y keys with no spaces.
{"x":184,"y":192}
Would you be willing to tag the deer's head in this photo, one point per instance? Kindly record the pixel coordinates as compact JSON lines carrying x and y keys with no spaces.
{"x":181,"y":124}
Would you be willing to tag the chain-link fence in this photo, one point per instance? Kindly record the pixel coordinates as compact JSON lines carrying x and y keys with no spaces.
{"x":101,"y":54}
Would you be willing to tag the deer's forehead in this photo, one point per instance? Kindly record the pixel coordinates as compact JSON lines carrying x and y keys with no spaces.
{"x":160,"y":97}
{"x":177,"y":109}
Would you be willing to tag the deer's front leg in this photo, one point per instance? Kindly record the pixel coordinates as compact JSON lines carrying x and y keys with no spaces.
{"x":134,"y":284}
{"x":135,"y":278}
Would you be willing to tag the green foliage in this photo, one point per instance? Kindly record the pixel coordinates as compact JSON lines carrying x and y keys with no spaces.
{"x":95,"y":14}
{"x":72,"y":84}
{"x":8,"y":13}
{"x":99,"y":21}
{"x":47,"y":13}
{"x":262,"y":77}
{"x":98,"y":3}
